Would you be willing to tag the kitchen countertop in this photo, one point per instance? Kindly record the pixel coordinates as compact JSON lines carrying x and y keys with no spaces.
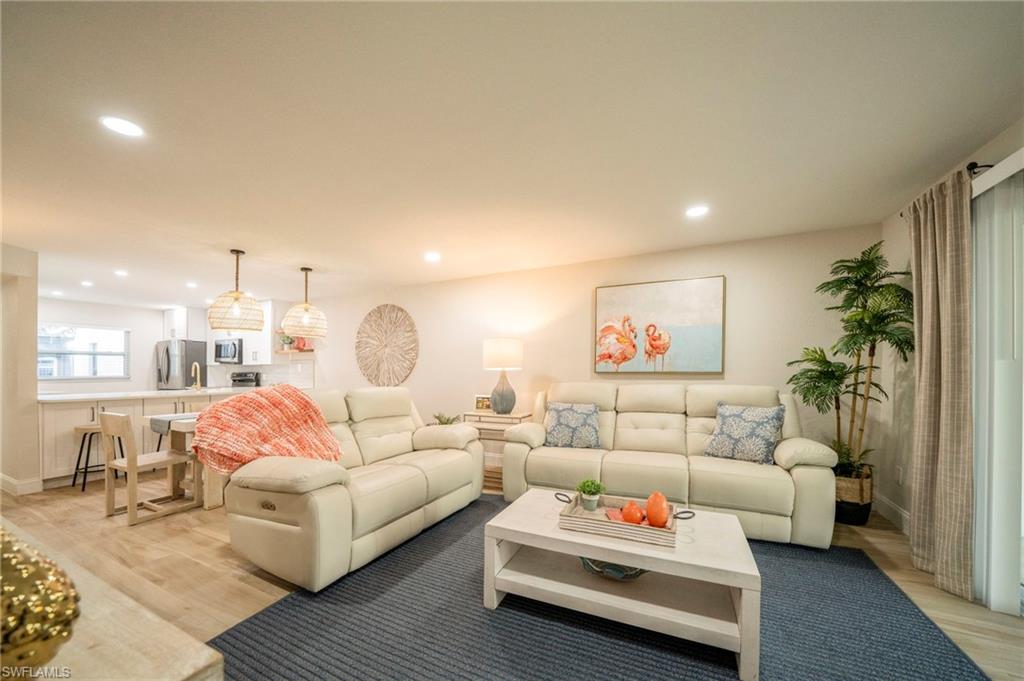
{"x":136,"y":394}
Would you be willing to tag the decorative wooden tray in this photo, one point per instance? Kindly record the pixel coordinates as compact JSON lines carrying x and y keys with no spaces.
{"x":575,"y":517}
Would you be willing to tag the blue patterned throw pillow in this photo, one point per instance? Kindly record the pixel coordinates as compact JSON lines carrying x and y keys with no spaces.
{"x":571,"y":425}
{"x":746,"y":433}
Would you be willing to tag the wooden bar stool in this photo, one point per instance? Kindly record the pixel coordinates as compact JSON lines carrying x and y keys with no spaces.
{"x":120,"y":426}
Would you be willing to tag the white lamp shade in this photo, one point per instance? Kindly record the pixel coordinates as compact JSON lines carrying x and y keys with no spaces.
{"x":305,"y":321}
{"x":235,"y":311}
{"x":503,"y":353}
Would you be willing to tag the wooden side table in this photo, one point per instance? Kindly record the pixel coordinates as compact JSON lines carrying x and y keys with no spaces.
{"x":492,"y":434}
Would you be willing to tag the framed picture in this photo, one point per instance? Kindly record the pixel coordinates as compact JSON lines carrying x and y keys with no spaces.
{"x":660,"y":327}
{"x":483,"y":402}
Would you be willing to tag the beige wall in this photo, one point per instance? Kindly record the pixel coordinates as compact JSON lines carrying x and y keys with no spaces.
{"x":772,"y":311}
{"x":892,"y":425}
{"x":19,"y":440}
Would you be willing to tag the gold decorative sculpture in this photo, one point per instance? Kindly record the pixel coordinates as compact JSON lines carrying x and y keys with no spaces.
{"x":39,"y":604}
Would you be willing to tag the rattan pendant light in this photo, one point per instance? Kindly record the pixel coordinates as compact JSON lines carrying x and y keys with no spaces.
{"x":303,"y":319}
{"x":234,"y":310}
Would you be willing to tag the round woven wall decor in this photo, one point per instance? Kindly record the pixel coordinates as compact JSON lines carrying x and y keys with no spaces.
{"x":387,"y":345}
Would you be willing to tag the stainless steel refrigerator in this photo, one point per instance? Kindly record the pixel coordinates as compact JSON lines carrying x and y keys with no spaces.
{"x":174,"y":360}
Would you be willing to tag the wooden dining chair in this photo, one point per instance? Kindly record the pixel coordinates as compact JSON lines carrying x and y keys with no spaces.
{"x":119,"y":426}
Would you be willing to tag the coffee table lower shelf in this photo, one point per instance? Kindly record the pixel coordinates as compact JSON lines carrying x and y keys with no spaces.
{"x":690,"y":609}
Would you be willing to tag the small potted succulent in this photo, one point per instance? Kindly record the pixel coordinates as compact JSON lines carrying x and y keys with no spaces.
{"x":591,"y":491}
{"x":286,"y":341}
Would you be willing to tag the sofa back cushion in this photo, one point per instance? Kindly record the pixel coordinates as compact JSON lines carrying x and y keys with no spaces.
{"x":332,"y":406}
{"x":651,"y":432}
{"x":702,"y":407}
{"x":351,"y":456}
{"x":651,"y":418}
{"x":382,"y":421}
{"x":601,"y":394}
{"x":665,"y":398}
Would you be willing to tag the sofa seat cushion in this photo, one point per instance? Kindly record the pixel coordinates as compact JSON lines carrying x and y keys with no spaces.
{"x":562,"y":467}
{"x":637,"y":474}
{"x":742,"y":485}
{"x":446,"y":470}
{"x":382,"y":493}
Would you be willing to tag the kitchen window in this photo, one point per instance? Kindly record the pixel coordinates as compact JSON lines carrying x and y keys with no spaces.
{"x":69,"y":352}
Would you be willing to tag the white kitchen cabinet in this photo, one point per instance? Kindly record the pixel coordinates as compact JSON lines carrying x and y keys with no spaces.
{"x":58,"y":444}
{"x":258,"y":346}
{"x":187,"y":323}
{"x":197,"y":403}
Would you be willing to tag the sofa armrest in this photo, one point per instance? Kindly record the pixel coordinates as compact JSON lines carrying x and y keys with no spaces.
{"x":803,"y":451}
{"x":455,"y":436}
{"x":530,"y":434}
{"x":289,"y":474}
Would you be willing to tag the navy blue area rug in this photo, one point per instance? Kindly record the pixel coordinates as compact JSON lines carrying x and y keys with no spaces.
{"x":417,"y":613}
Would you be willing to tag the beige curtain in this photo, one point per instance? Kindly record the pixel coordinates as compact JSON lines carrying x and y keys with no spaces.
{"x":942,"y":496}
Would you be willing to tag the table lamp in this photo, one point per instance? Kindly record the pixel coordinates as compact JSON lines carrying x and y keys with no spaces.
{"x":503,"y":354}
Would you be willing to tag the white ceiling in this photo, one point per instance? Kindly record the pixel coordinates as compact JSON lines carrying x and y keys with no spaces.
{"x":353,"y":137}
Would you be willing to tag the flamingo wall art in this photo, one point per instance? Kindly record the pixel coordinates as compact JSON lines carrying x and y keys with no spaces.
{"x":660,"y":327}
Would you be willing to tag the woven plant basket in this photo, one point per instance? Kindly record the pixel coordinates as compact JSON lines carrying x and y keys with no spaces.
{"x":854,"y":490}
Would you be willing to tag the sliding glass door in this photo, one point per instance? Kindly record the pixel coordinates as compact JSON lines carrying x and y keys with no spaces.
{"x":998,"y":224}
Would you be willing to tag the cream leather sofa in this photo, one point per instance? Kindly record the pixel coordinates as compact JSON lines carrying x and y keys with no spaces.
{"x":653,"y":437}
{"x":310,"y":522}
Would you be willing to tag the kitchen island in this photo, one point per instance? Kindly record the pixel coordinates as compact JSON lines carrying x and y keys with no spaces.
{"x":59,"y":413}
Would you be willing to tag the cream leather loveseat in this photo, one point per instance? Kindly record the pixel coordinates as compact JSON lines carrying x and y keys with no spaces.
{"x":653,"y":437}
{"x":310,"y":522}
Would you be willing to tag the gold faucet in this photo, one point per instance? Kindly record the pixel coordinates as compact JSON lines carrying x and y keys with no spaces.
{"x":197,"y":383}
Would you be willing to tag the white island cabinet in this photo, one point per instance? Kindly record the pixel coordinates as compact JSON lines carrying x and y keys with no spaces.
{"x":59,"y":414}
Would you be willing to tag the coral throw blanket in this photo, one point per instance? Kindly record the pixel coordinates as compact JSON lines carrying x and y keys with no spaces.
{"x":277,"y":421}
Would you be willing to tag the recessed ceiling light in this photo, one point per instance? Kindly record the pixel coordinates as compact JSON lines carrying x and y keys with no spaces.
{"x":191,"y":284}
{"x":209,"y":301}
{"x":432,"y":256}
{"x":121,"y":126}
{"x":697,"y":211}
{"x":57,"y":293}
{"x":87,"y":284}
{"x":121,"y":273}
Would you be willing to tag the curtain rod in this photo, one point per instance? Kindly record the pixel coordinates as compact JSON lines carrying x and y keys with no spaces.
{"x":972,"y":168}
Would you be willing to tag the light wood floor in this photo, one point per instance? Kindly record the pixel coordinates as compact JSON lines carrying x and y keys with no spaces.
{"x":182,"y":568}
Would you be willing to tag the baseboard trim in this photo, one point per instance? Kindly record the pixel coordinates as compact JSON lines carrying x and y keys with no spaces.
{"x":897,"y":515}
{"x":20,"y":487}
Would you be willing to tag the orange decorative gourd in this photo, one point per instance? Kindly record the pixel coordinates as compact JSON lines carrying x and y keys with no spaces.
{"x":632,"y":513}
{"x":657,"y":510}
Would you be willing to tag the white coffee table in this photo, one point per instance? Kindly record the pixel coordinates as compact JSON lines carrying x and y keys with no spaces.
{"x":706,"y":589}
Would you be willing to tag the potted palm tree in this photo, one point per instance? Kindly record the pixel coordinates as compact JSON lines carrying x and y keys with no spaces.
{"x":877,"y":311}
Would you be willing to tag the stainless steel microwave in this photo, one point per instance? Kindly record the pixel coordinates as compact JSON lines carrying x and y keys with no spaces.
{"x":227,"y":351}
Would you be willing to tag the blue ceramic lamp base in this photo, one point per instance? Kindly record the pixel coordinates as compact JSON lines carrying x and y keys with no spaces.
{"x":503,"y":397}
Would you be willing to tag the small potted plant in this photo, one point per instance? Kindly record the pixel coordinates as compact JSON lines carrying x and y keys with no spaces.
{"x":591,"y":491}
{"x":286,"y":341}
